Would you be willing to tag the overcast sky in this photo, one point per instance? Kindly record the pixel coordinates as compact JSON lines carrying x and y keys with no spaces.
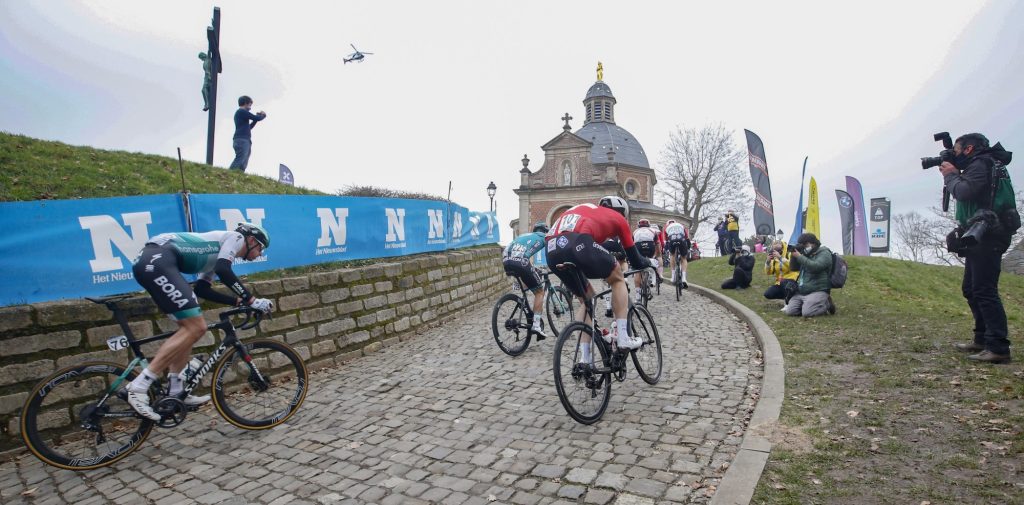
{"x":460,"y":91}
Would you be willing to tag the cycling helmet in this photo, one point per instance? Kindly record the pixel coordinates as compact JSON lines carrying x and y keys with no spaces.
{"x":643,"y":223}
{"x":615,"y":203}
{"x":541,"y":227}
{"x":255,"y":231}
{"x":670,"y":221}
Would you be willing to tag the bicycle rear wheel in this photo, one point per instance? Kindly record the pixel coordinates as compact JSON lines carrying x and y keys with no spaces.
{"x":645,"y":287}
{"x":679,"y":280}
{"x":64,"y":424}
{"x":559,"y":309}
{"x":261,"y":387}
{"x":647,"y":358}
{"x":508,"y":323}
{"x":583,"y":388}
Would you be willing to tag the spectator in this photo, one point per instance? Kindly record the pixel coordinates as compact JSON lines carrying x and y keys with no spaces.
{"x":813,"y":284}
{"x":744,"y":271}
{"x":245,"y":121}
{"x":723,"y":235}
{"x":732,"y":224}
{"x":778,"y":265}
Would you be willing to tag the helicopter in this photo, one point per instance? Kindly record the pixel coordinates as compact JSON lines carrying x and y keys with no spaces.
{"x":356,"y":56}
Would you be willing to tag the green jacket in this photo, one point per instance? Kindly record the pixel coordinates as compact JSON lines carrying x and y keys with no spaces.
{"x":815,"y":271}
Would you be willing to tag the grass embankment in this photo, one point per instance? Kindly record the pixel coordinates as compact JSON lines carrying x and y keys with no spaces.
{"x":32,"y":169}
{"x":879,"y":407}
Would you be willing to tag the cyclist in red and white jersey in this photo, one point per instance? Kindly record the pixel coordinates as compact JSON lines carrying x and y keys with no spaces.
{"x":576,"y":237}
{"x":677,"y":238}
{"x":648,"y":243}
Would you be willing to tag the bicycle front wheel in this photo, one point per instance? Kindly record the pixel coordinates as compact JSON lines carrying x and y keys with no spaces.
{"x":559,"y":309}
{"x":67,"y":422}
{"x":647,"y":358}
{"x":508,"y":323}
{"x":582,"y":379}
{"x":260,"y":387}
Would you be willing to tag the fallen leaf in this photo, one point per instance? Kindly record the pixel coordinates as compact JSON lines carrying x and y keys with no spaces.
{"x":29,"y":492}
{"x":777,"y":485}
{"x":816,"y":481}
{"x":853,"y":413}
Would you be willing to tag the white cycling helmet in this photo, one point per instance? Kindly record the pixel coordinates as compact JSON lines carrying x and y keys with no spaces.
{"x":615,"y":203}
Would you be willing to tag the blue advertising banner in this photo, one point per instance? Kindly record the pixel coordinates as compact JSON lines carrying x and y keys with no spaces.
{"x":56,"y":249}
{"x":69,"y":249}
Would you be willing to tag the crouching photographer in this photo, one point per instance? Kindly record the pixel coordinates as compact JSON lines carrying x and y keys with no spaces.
{"x":973,"y":177}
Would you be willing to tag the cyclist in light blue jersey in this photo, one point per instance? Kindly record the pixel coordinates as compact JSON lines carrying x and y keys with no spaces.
{"x":516,"y":260}
{"x":158,"y":269}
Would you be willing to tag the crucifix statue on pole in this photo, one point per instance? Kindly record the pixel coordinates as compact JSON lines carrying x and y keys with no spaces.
{"x":211,"y":67}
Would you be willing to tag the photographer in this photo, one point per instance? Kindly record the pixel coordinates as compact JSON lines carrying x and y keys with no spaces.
{"x":814,"y":261}
{"x":744,"y":271}
{"x":968,"y":179}
{"x":778,"y":266}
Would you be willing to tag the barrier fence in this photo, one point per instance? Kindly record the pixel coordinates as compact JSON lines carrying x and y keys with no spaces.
{"x":59,"y":249}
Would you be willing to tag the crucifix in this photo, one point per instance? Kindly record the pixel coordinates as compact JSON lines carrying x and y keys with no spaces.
{"x":566,"y":118}
{"x":210,"y":89}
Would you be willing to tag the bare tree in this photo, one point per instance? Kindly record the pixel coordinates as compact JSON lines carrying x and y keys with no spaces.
{"x":704,"y":175}
{"x":912,"y":239}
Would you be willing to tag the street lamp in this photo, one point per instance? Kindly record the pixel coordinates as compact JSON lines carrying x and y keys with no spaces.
{"x":491,"y":189}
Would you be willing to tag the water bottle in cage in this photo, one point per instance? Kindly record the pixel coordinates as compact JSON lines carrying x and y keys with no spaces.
{"x":192,"y":367}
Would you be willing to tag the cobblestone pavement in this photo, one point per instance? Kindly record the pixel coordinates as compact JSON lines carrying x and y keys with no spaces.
{"x":445,"y":417}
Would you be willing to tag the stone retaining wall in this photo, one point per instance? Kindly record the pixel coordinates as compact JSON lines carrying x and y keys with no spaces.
{"x":330,"y":318}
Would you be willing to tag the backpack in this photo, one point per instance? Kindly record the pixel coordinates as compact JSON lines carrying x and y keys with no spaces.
{"x":837,"y":275}
{"x":1003,"y":200}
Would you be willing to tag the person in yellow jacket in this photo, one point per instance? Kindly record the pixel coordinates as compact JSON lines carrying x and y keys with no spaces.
{"x":777,"y":265}
{"x":732,"y":225}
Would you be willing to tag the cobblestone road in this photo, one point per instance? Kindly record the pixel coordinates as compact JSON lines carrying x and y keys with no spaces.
{"x":445,"y":417}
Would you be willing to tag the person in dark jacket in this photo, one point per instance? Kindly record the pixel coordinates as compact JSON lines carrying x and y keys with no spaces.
{"x":723,"y":235}
{"x":744,"y":271}
{"x":969,"y":180}
{"x":814,"y":283}
{"x":245,"y":121}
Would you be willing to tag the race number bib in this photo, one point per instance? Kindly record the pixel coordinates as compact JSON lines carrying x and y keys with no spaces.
{"x":117,"y":343}
{"x":568,"y":223}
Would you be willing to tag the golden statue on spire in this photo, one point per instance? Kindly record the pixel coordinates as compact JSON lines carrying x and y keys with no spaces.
{"x":600,"y":71}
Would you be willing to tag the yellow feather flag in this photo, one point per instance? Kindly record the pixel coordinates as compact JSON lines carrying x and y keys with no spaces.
{"x":811,"y":224}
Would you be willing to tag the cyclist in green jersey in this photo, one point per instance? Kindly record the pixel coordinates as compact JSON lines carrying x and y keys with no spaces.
{"x":158,"y":269}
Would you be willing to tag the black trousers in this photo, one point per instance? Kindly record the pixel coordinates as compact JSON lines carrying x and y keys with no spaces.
{"x":981,"y":289}
{"x":782,"y":291}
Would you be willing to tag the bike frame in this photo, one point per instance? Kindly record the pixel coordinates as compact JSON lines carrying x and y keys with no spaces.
{"x":139,"y":359}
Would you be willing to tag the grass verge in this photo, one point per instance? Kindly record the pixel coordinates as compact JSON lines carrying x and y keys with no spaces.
{"x":879,"y":407}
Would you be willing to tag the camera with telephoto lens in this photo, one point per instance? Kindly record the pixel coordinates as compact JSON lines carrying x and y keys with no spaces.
{"x":981,"y":222}
{"x":946,"y":154}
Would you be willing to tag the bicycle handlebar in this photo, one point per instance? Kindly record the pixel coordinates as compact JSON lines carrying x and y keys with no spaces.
{"x":253,"y":317}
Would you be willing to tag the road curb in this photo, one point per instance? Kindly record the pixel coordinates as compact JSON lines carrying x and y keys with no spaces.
{"x":740,"y":479}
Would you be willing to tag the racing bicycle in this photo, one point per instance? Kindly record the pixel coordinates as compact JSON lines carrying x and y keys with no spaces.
{"x":79,"y":418}
{"x":584,"y":382}
{"x":512,"y":314}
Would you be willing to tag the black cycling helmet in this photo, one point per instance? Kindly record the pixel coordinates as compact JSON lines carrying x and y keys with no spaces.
{"x":255,"y":231}
{"x":541,"y":227}
{"x":615,"y":203}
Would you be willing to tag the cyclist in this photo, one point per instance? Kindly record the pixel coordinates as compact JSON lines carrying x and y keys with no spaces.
{"x":158,"y":269}
{"x":661,"y":252}
{"x":678,"y":239}
{"x":576,"y":237}
{"x":516,"y":259}
{"x":646,"y":240}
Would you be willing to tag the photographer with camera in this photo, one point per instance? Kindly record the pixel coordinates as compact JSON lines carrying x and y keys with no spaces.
{"x":743,"y":272}
{"x":980,"y":239}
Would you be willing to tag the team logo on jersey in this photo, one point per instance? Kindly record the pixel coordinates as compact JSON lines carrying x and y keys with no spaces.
{"x":562,"y":241}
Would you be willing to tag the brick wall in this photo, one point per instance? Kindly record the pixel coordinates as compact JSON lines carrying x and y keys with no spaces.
{"x":330,"y":318}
